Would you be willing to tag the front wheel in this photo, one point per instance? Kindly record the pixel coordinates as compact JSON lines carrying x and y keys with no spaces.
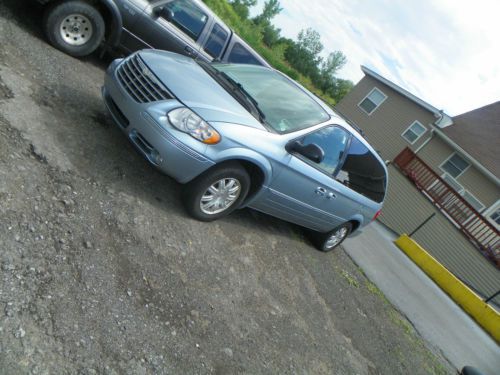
{"x":217,"y":192}
{"x":330,"y":240}
{"x":74,"y":27}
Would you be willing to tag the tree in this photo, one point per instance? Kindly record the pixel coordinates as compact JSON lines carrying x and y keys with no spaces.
{"x":241,"y":7}
{"x":325,"y":81}
{"x":303,"y":55}
{"x":341,"y":88}
{"x":309,"y":41}
{"x":270,"y":34}
{"x":271,"y":9}
{"x":335,"y":61}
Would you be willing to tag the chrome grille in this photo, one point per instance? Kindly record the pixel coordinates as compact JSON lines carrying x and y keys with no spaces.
{"x":140,"y":82}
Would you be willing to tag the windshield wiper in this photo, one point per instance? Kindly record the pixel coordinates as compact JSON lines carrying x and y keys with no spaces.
{"x":241,"y":89}
{"x":236,"y":89}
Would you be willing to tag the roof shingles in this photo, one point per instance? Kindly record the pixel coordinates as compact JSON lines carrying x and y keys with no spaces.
{"x":478,"y":133}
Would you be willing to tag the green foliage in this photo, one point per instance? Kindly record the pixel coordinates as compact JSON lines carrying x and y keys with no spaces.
{"x":299,"y":60}
{"x":241,"y":7}
{"x":271,"y":9}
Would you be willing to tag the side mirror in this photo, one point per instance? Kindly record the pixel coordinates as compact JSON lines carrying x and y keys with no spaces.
{"x":311,"y":151}
{"x":165,"y":13}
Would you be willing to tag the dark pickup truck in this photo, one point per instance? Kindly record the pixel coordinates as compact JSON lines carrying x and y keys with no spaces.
{"x":79,"y":27}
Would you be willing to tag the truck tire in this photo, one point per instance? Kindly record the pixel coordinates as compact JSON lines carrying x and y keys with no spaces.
{"x":74,"y":27}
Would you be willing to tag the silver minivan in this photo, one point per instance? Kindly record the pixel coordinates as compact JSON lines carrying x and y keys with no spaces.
{"x":247,"y":136}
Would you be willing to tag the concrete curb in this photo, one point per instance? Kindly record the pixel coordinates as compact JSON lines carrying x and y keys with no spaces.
{"x":481,"y":312}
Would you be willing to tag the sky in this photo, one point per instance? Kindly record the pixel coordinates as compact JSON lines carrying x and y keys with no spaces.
{"x":446,"y":52}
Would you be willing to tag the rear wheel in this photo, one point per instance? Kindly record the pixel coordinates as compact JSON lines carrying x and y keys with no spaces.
{"x":330,"y":240}
{"x":74,"y":27}
{"x":217,"y":192}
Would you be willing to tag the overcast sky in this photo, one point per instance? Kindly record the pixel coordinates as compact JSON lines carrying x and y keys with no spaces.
{"x":447,"y":52}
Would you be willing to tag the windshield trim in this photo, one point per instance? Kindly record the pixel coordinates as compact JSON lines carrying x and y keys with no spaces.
{"x":230,"y":86}
{"x":293,"y":85}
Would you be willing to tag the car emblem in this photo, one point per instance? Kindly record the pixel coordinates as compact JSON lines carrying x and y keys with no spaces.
{"x":148,"y":74}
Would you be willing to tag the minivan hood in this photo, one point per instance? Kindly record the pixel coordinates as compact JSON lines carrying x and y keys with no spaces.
{"x":196,"y":89}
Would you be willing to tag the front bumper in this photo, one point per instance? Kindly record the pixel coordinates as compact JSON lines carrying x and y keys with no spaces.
{"x":146,"y":125}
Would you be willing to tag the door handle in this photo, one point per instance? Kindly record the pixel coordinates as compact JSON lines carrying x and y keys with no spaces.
{"x":189,"y":50}
{"x":330,"y":195}
{"x":320,"y":191}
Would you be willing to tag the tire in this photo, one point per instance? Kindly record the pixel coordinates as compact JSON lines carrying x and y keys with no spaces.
{"x":325,"y":241}
{"x":217,"y":192}
{"x":74,"y":27}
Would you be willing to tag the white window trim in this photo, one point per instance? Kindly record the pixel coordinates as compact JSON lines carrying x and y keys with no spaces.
{"x":446,"y":174}
{"x":374,"y":109}
{"x":463,"y":190}
{"x":449,"y":157}
{"x":409,"y":127}
{"x":486,"y":213}
{"x":481,"y":203}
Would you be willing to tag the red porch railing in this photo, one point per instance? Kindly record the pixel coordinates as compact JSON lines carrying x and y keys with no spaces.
{"x":465,"y":217}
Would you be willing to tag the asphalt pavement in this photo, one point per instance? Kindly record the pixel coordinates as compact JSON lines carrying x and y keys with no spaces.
{"x":433,"y":314}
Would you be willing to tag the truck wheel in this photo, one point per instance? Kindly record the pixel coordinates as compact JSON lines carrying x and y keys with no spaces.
{"x":330,"y":240}
{"x":217,"y":192}
{"x":74,"y":27}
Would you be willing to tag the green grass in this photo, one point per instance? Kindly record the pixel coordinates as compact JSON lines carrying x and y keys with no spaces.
{"x":350,"y":279}
{"x":372,"y":288}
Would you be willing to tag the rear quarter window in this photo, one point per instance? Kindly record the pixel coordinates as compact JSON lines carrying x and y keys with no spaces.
{"x":362,"y":172}
{"x":240,"y":55}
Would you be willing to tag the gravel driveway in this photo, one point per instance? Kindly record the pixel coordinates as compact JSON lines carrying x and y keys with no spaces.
{"x":102,"y":272}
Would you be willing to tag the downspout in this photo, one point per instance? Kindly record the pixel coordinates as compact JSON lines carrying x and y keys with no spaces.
{"x":435,"y":123}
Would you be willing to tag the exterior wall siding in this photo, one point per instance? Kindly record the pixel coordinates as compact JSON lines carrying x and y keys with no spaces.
{"x":437,"y":151}
{"x":406,"y":208}
{"x":385,"y":125}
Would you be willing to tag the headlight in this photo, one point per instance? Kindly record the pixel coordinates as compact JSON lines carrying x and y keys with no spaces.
{"x":188,"y":122}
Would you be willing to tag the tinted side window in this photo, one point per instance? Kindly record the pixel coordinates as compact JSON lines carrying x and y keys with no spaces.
{"x":240,"y":55}
{"x":333,"y":140}
{"x":187,"y":17}
{"x":216,"y":41}
{"x":362,"y":172}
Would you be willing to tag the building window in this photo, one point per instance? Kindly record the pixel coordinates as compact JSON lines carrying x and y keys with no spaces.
{"x":493,"y":214}
{"x":468,"y":196}
{"x":473,"y":201}
{"x":455,"y":165}
{"x":414,"y":132}
{"x":452,"y":182}
{"x":372,"y":101}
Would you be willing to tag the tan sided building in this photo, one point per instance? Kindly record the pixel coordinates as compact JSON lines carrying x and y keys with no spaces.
{"x":441,"y":166}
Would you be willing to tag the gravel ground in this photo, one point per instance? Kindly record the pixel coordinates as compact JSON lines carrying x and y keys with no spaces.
{"x":102,"y":272}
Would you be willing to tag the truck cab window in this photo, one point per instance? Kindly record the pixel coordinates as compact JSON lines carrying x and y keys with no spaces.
{"x":187,"y":17}
{"x":240,"y":55}
{"x":216,"y":41}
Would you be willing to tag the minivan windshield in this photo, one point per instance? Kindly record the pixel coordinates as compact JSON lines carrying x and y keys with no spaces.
{"x":285,"y":106}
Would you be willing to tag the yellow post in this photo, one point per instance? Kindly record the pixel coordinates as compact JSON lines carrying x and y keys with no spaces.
{"x":481,"y":312}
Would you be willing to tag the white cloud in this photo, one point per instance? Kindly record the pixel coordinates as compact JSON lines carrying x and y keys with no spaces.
{"x":444,"y":51}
